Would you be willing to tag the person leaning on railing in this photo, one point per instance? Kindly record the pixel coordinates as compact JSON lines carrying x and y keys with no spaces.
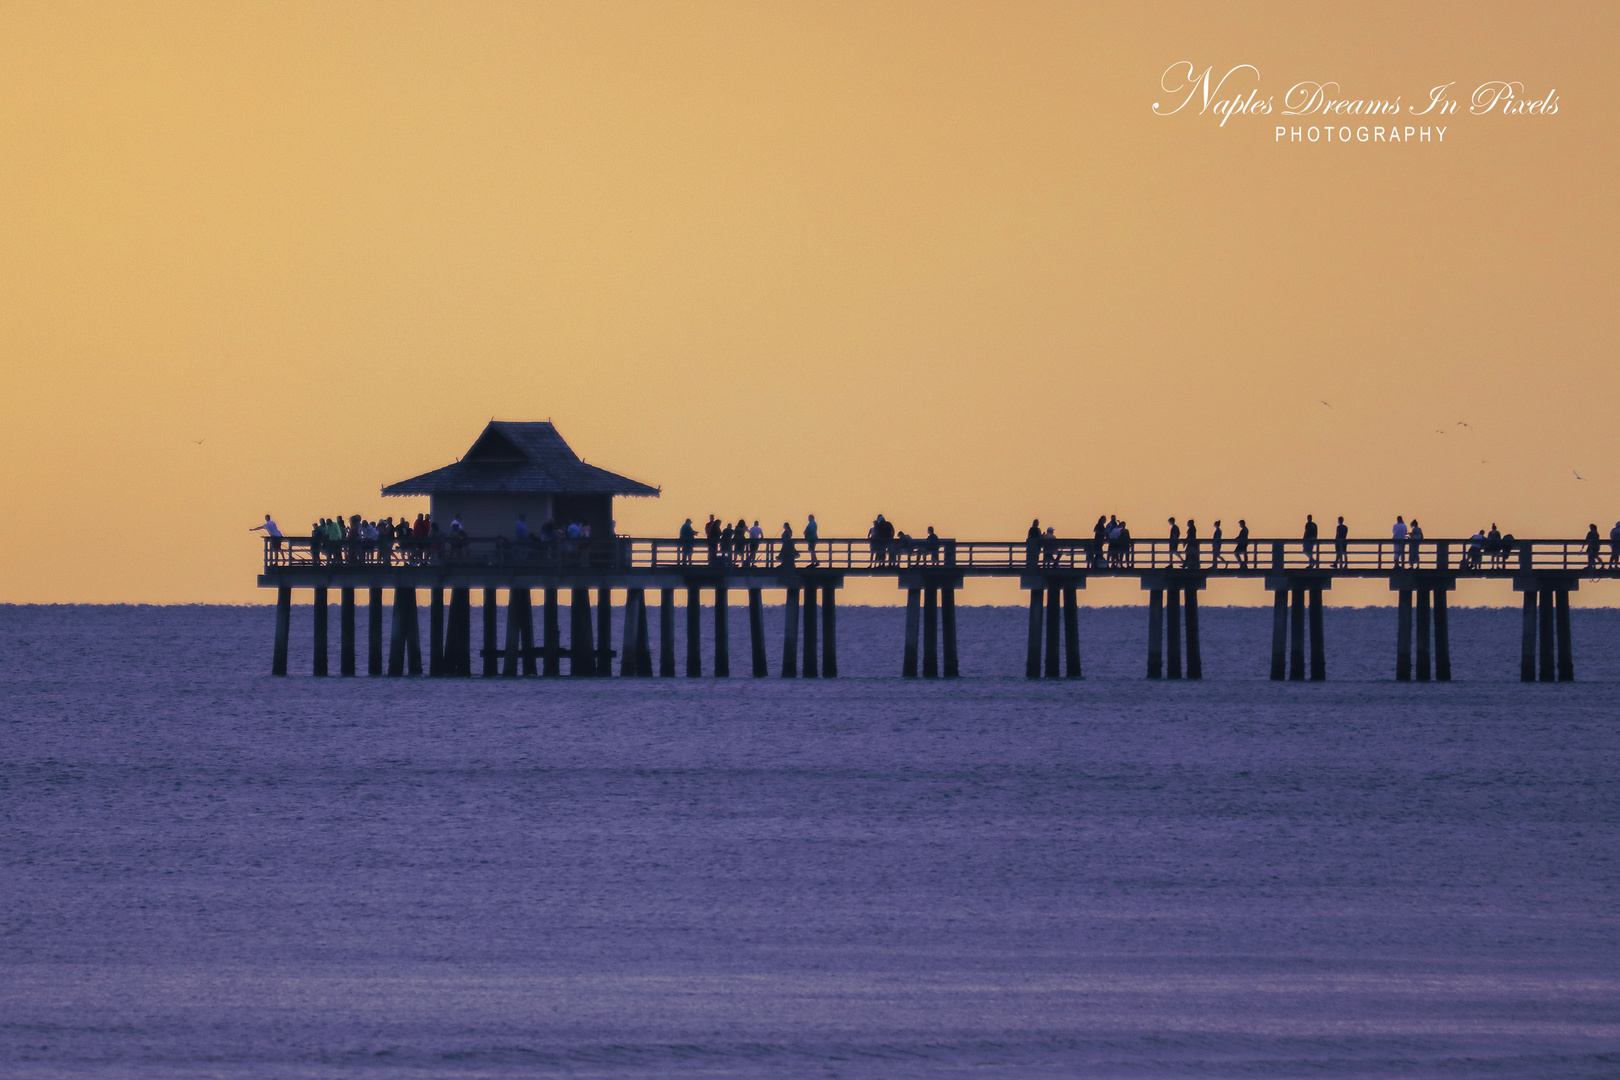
{"x":272,"y":532}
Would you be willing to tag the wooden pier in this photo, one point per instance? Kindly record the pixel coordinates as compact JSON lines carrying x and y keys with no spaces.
{"x":1422,"y":573}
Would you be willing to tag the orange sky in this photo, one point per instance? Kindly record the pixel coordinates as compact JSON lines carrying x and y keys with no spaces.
{"x":939,"y":261}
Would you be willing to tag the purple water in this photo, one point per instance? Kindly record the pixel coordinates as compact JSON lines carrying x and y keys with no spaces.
{"x":205,"y":871}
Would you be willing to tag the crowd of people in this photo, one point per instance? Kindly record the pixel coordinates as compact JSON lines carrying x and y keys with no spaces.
{"x":355,"y":541}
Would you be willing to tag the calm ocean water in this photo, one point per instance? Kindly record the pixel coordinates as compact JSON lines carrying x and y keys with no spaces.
{"x":205,"y":871}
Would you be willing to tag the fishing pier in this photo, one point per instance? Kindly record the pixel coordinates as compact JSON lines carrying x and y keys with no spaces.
{"x":526,"y":469}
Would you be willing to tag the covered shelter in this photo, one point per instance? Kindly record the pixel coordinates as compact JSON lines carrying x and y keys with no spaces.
{"x":521,"y":467}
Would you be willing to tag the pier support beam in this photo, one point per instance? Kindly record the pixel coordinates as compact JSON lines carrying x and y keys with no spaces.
{"x":756,"y":631}
{"x":1195,"y":650}
{"x":1442,"y":633}
{"x":1296,"y":636}
{"x":1054,"y":620}
{"x":604,"y":632}
{"x":410,"y":622}
{"x":1155,"y":634}
{"x":1547,"y":622}
{"x":436,"y":631}
{"x":810,"y":665}
{"x":550,"y":630}
{"x":1403,"y":637}
{"x":1318,"y":657}
{"x":722,"y":632}
{"x":459,"y":645}
{"x":1566,"y":650}
{"x":1032,"y":661}
{"x":948,"y":627}
{"x":396,"y":635}
{"x":908,"y":666}
{"x":694,"y":632}
{"x":581,"y":649}
{"x":513,"y":602}
{"x":492,"y":623}
{"x":278,"y":658}
{"x":1279,"y":634}
{"x":829,"y":632}
{"x":930,"y":631}
{"x":1172,"y":632}
{"x":630,"y":651}
{"x":666,"y":633}
{"x":790,"y":635}
{"x":1071,"y":634}
{"x":1527,"y":641}
{"x":346,"y":632}
{"x":1423,"y":670}
{"x":374,"y":632}
{"x":321,"y":630}
{"x":644,"y":661}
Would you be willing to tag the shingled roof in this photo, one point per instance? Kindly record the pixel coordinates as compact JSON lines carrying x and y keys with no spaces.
{"x":520,"y":458}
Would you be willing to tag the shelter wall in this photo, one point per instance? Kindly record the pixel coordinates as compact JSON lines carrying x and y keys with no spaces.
{"x":490,"y":515}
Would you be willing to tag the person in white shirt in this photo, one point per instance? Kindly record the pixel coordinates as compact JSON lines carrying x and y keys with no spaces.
{"x":1398,"y":534}
{"x":270,"y":529}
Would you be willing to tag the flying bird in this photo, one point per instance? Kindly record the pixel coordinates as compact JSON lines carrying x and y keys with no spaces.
{"x":202,"y":440}
{"x":1578,"y":476}
{"x":1325,"y":403}
{"x":1462,"y":423}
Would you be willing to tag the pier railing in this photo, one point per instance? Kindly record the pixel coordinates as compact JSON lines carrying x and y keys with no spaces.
{"x":1354,"y":558}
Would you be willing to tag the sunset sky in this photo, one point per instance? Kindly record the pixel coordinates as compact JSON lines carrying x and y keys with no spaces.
{"x":940,"y":261}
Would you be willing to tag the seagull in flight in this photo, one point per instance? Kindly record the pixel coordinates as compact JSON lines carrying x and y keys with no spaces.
{"x":1577,"y":475}
{"x":1462,"y":423}
{"x":200,"y":441}
{"x":1325,"y":403}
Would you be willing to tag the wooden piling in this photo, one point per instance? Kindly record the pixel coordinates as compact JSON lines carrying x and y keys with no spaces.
{"x":413,"y":632}
{"x":1442,"y":633}
{"x":492,"y":623}
{"x":1566,"y":649}
{"x":320,"y":631}
{"x":644,"y":662}
{"x":581,"y":647}
{"x":630,"y":649}
{"x":1403,"y":637}
{"x":756,"y":631}
{"x":1032,"y":660}
{"x":550,"y":630}
{"x":790,"y":635}
{"x":1172,"y":633}
{"x":666,"y":633}
{"x":1155,"y":659}
{"x":396,"y":635}
{"x":1279,"y":634}
{"x":436,"y":631}
{"x":459,"y":644}
{"x":947,"y":619}
{"x":722,"y":632}
{"x":1527,"y":639}
{"x":908,"y":665}
{"x":1296,"y":636}
{"x":829,"y":632}
{"x":1054,"y":619}
{"x":694,"y":632}
{"x":513,"y":663}
{"x":346,"y":632}
{"x":1423,"y":670}
{"x":1318,"y":656}
{"x":1195,"y":649}
{"x":1071,"y":634}
{"x":1548,"y":674}
{"x":604,"y":632}
{"x":810,"y":666}
{"x":278,"y":657}
{"x":374,"y":632}
{"x":930,"y":632}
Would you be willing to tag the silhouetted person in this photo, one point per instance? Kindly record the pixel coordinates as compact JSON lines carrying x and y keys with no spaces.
{"x":1312,"y":560}
{"x":1032,"y":543}
{"x":688,"y":542}
{"x":756,"y":536}
{"x":1414,"y":537}
{"x":810,"y":534}
{"x":1594,"y":546}
{"x":1341,"y":546}
{"x":726,"y":539}
{"x":1099,"y":536}
{"x":789,"y":555}
{"x":1175,"y":540}
{"x":271,"y":530}
{"x":1614,"y":544}
{"x":1215,"y":559}
{"x":932,"y":545}
{"x":711,"y":535}
{"x":1241,"y":547}
{"x":1398,"y":535}
{"x":1191,"y":561}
